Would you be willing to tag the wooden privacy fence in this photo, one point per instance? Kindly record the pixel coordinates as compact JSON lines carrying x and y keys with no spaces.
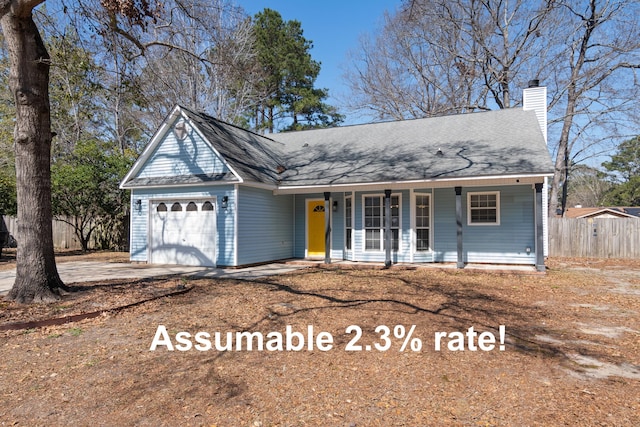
{"x":63,"y":234}
{"x":594,"y":238}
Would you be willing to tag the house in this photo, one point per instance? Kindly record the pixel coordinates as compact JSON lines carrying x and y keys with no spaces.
{"x":464,"y":189}
{"x":602,"y":212}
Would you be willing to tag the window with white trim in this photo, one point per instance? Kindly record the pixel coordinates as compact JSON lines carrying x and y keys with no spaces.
{"x":375,"y":221}
{"x":483,"y":208}
{"x":348,"y":221}
{"x":423,"y":222}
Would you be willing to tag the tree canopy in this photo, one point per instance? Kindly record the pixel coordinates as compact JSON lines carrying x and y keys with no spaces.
{"x":625,"y":168}
{"x":85,"y":190}
{"x":289,"y":71}
{"x":435,"y":57}
{"x":85,"y":94}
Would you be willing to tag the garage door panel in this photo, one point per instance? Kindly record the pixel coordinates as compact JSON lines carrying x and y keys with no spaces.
{"x":185,"y":234}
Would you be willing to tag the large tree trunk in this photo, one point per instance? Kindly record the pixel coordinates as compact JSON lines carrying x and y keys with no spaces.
{"x":37,"y":278}
{"x":561,"y":171}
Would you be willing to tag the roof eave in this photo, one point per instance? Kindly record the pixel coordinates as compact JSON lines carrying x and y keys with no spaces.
{"x":178,"y":185}
{"x":468,"y":181}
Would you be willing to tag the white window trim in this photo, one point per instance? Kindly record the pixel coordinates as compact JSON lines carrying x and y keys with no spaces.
{"x":480,"y":193}
{"x":414,"y":243}
{"x":349,"y":197}
{"x":364,"y":228}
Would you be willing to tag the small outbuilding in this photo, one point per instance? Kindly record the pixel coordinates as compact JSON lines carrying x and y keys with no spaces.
{"x":602,"y":212}
{"x":466,"y":188}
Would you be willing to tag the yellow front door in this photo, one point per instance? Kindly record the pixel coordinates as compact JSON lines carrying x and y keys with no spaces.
{"x":315,"y":228}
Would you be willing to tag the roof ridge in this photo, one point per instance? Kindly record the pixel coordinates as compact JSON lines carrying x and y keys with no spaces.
{"x":406,"y":121}
{"x":262,"y":155}
{"x":209,"y":116}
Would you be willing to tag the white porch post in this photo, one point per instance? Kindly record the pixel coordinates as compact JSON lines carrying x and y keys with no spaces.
{"x":387,"y":228}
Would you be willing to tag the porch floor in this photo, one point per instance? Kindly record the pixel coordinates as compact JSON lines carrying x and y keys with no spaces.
{"x":487,"y":268}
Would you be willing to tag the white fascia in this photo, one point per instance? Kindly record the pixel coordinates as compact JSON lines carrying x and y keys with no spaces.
{"x":431,"y":183}
{"x":151,"y":146}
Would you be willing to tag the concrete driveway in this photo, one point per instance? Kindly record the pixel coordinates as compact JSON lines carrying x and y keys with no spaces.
{"x":88,"y":271}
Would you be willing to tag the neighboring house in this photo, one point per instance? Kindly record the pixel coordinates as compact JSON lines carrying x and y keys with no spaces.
{"x":602,"y":212}
{"x":464,"y":189}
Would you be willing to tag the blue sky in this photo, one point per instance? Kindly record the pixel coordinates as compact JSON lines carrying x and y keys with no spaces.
{"x":334,"y":26}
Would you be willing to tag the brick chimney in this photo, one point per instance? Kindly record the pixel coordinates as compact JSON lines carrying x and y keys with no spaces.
{"x":535,"y":98}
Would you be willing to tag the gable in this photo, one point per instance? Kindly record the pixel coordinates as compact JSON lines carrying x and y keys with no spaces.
{"x":181,"y":157}
{"x":170,"y":160}
{"x":600,"y":212}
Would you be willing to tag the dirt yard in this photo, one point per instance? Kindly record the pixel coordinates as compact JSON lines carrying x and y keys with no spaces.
{"x":571,"y":356}
{"x":8,"y":258}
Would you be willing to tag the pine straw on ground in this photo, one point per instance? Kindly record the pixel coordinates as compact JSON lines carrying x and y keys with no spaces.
{"x":572,"y":352}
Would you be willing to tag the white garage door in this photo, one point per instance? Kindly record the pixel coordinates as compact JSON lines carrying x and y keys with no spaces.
{"x":183,"y":232}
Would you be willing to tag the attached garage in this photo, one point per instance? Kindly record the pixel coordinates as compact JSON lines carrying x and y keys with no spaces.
{"x":183,"y":232}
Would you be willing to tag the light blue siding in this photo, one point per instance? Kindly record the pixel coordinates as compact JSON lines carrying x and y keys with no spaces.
{"x":444,"y":225}
{"x":273,"y":227}
{"x":224,"y":226}
{"x":265,"y":226}
{"x":300,"y":223}
{"x":338,"y":232}
{"x":174,"y":157}
{"x":506,"y":243}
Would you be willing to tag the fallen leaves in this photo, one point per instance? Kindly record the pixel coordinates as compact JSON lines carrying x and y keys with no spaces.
{"x":104,"y":373}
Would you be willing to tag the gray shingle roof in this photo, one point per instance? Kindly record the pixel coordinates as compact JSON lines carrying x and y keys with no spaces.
{"x":494,"y":143}
{"x":252,"y":156}
{"x":504,"y":142}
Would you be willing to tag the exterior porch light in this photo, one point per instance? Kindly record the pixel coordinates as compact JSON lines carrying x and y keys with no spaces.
{"x":225,"y":202}
{"x":139,"y":205}
{"x":335,"y":205}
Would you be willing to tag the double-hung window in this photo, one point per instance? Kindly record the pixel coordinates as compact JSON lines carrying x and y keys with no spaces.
{"x":375,"y":221}
{"x":423,"y":222}
{"x":483,"y":208}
